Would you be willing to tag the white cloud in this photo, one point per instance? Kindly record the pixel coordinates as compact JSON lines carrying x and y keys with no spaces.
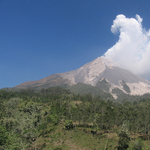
{"x":132,"y":51}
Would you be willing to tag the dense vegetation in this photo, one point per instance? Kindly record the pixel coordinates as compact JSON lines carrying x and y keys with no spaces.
{"x":54,"y":118}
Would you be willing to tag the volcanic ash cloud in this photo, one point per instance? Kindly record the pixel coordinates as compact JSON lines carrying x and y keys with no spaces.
{"x":132,"y":51}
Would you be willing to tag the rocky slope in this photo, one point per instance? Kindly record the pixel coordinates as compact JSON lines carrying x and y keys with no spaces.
{"x":102,"y":73}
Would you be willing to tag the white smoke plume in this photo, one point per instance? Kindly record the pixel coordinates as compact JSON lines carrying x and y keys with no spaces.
{"x":132,"y":51}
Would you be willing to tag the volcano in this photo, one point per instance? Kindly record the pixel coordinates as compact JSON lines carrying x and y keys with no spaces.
{"x":102,"y":73}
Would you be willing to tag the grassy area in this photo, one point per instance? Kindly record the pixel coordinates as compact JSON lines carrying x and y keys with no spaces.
{"x":76,"y":139}
{"x":83,"y":139}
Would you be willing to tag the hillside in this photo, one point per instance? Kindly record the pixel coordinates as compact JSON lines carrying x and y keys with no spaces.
{"x":54,"y":118}
{"x":99,"y":77}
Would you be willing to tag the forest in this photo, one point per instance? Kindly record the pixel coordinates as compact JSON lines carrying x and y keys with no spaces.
{"x":57,"y":119}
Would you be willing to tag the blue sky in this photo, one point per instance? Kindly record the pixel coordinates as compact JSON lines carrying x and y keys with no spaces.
{"x":39,"y":38}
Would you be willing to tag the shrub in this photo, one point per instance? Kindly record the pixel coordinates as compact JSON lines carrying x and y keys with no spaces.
{"x":52,"y":119}
{"x":137,"y":145}
{"x":124,"y":137}
{"x":68,"y":124}
{"x":123,"y":142}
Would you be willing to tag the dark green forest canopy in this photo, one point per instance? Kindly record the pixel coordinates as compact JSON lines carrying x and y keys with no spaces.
{"x":27,"y":115}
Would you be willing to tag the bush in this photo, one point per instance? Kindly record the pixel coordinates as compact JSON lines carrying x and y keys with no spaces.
{"x":52,"y":119}
{"x":68,"y":124}
{"x":123,"y":142}
{"x":124,"y":136}
{"x":137,"y":145}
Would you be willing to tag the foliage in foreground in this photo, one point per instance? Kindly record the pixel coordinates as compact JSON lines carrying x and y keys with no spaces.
{"x":28,"y":117}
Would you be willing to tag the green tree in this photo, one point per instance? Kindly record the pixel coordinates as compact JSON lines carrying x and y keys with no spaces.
{"x":124,"y":137}
{"x":3,"y":135}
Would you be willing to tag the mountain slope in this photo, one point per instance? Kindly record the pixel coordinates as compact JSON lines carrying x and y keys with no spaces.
{"x":50,"y":81}
{"x":99,"y":68}
{"x":104,"y":69}
{"x":101,"y":73}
